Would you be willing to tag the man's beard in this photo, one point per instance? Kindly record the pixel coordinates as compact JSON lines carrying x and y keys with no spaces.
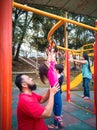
{"x":32,"y":87}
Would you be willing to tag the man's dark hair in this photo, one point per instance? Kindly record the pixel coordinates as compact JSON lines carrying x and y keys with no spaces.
{"x":18,"y":81}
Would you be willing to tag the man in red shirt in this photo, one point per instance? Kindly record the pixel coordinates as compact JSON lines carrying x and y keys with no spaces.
{"x":30,"y":112}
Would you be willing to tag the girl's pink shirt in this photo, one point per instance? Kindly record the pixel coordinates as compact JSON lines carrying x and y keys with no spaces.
{"x":52,"y":74}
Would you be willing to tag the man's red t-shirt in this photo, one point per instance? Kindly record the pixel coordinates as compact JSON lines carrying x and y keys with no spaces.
{"x":29,"y":112}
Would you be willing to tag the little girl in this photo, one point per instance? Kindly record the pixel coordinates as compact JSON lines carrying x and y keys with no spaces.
{"x":47,"y":70}
{"x":86,"y":74}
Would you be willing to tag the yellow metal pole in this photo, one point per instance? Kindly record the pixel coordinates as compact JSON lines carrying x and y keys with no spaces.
{"x":65,"y":33}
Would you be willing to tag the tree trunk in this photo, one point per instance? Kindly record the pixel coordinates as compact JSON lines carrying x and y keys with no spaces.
{"x":22,"y":37}
{"x":13,"y":50}
{"x":17,"y":53}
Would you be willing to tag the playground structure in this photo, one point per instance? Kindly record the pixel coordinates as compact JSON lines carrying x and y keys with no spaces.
{"x":6,"y":59}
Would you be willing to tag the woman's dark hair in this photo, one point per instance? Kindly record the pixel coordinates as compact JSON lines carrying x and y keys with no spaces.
{"x":59,"y":67}
{"x":85,"y":55}
{"x":18,"y":81}
{"x":43,"y":70}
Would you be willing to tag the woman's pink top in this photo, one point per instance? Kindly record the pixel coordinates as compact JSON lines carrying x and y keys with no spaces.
{"x":52,"y":74}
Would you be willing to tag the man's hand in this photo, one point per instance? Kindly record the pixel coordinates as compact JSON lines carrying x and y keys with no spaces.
{"x":55,"y":88}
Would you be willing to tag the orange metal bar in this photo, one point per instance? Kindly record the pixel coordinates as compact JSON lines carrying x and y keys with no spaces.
{"x":37,"y":11}
{"x":5,"y":65}
{"x":54,"y":28}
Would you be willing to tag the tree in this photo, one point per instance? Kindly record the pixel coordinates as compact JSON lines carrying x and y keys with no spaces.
{"x":78,"y":35}
{"x":20,"y":24}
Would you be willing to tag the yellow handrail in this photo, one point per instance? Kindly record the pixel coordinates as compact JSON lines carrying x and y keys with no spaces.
{"x":90,"y":44}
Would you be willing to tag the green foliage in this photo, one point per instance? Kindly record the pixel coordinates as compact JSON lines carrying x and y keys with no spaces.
{"x":78,"y":35}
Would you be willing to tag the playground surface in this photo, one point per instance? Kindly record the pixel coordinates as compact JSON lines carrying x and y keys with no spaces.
{"x":77,"y":115}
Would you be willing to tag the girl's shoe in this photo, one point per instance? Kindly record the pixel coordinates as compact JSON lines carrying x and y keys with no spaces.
{"x":86,"y":98}
{"x":59,"y":120}
{"x":82,"y":96}
{"x":52,"y":126}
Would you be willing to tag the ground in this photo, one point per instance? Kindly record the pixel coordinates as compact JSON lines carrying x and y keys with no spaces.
{"x":77,"y":114}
